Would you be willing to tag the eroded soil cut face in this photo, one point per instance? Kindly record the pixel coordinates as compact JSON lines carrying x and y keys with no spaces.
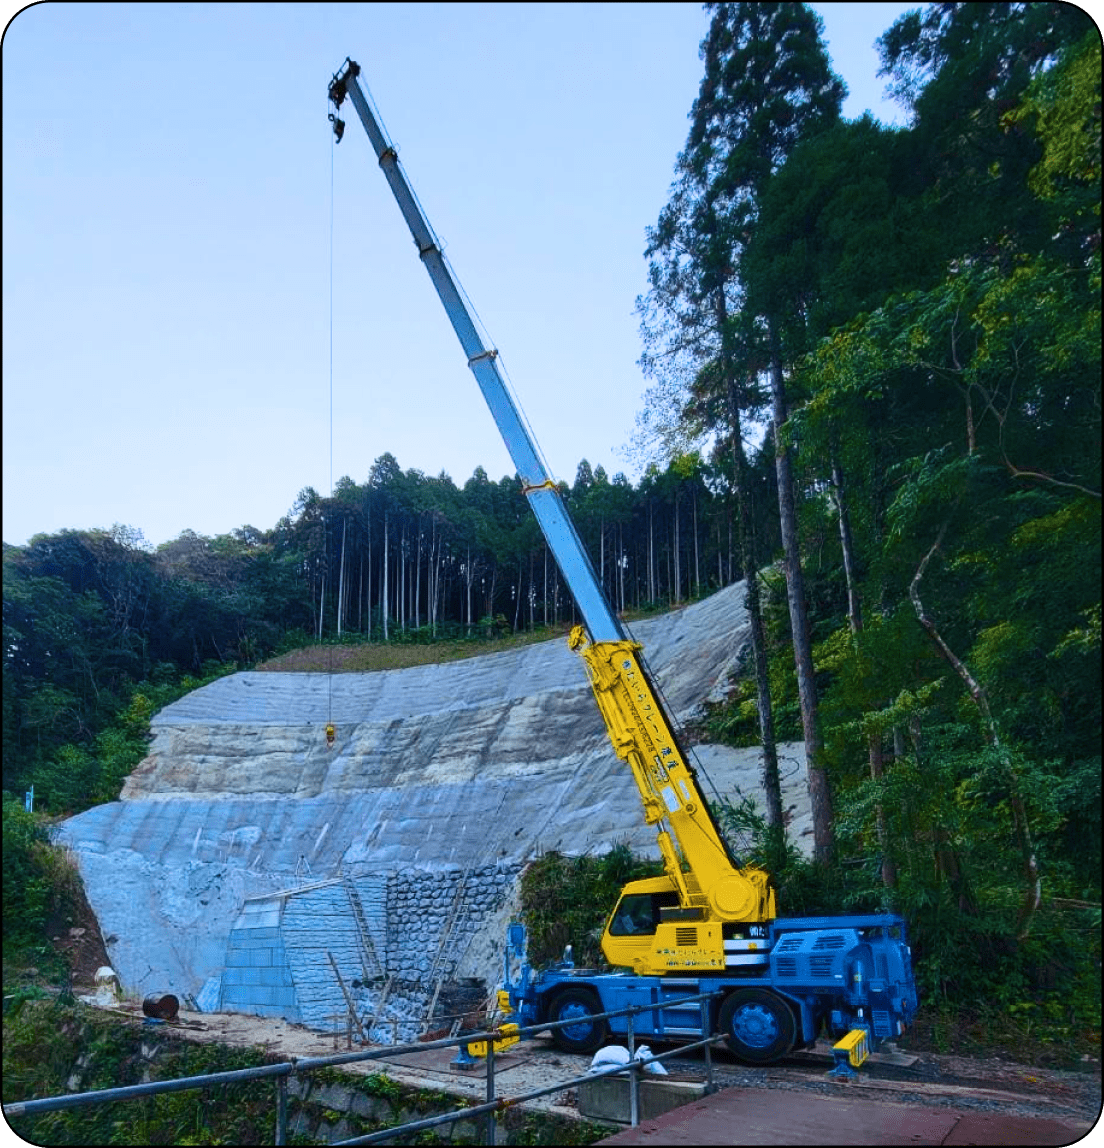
{"x":75,"y":934}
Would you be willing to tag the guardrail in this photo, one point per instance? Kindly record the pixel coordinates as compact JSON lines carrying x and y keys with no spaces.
{"x":490,"y":1108}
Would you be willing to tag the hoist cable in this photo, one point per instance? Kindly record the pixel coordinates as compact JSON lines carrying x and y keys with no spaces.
{"x":507,"y":382}
{"x":326,"y":533}
{"x":738,"y":841}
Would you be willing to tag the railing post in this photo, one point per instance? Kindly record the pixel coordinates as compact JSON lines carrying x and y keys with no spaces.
{"x":490,"y":1137}
{"x":281,"y":1110}
{"x":707,"y":1031}
{"x":634,"y":1080}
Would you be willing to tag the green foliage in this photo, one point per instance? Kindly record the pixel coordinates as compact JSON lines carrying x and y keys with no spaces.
{"x":382,"y":1085}
{"x":48,"y":1042}
{"x":980,"y":390}
{"x":539,"y":1130}
{"x":734,"y":720}
{"x":801,"y":888}
{"x":567,"y":900}
{"x":1065,"y":105}
{"x":40,"y":882}
{"x":26,"y":892}
{"x":77,"y":775}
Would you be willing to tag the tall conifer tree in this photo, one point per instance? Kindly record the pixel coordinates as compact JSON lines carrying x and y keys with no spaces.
{"x":768,"y":85}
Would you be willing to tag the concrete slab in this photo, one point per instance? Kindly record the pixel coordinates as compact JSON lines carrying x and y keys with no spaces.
{"x":608,"y":1098}
{"x":998,"y":1128}
{"x":759,"y":1116}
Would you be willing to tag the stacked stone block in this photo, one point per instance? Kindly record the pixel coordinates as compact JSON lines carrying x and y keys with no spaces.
{"x":422,"y":905}
{"x":316,"y":922}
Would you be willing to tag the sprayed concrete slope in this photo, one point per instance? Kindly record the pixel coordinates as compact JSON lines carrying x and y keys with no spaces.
{"x":472,"y":767}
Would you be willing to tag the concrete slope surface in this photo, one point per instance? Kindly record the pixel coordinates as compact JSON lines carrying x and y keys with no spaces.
{"x":471,"y":767}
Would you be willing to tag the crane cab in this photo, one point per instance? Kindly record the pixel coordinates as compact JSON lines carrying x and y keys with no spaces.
{"x":650,"y":932}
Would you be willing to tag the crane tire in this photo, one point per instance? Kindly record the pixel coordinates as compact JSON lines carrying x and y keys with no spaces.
{"x":586,"y":1036}
{"x":758,"y":1025}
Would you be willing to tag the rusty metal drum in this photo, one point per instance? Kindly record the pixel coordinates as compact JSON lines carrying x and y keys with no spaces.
{"x":161,"y":1006}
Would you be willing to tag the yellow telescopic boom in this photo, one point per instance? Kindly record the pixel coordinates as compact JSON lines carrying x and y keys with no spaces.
{"x":699,"y":865}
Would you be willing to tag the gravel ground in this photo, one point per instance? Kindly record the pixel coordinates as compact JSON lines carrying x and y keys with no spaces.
{"x":991,"y":1085}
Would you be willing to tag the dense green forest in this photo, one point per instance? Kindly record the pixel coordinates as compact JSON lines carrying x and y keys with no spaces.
{"x":101,"y":629}
{"x":874,"y":360}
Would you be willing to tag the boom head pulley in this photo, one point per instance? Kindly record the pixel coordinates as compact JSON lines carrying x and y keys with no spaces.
{"x":338,"y":91}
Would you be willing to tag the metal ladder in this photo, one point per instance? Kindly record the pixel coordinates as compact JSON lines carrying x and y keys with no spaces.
{"x":443,"y":966}
{"x":369,"y":959}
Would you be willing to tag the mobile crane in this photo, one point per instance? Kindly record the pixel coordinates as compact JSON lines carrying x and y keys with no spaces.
{"x":708,"y":924}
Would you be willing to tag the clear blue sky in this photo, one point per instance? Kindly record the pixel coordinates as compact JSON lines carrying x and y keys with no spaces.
{"x":166,"y":260}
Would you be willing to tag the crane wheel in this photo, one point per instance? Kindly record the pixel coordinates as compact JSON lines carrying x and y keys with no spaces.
{"x":586,"y":1035}
{"x":758,"y":1025}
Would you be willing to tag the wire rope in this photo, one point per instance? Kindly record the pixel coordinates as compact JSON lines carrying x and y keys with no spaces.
{"x":507,"y":381}
{"x":732,"y":838}
{"x":325,"y":529}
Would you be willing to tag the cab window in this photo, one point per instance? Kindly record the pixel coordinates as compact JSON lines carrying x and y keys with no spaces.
{"x":634,"y":915}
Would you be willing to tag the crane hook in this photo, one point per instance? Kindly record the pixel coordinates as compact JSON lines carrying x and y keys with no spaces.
{"x":338,"y":126}
{"x":331,"y":733}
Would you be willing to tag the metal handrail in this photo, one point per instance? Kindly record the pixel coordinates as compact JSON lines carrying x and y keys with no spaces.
{"x":502,"y":1103}
{"x":285,"y":1069}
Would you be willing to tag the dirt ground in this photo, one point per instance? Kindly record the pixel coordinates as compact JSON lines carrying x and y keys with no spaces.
{"x":75,"y":934}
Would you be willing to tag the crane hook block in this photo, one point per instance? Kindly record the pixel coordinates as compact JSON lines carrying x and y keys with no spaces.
{"x":331,"y":733}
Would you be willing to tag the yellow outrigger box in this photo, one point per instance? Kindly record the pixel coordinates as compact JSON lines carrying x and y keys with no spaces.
{"x":850,"y":1052}
{"x":509,"y":1031}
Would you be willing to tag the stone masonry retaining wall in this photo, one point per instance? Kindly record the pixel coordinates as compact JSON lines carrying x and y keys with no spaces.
{"x":402,"y":937}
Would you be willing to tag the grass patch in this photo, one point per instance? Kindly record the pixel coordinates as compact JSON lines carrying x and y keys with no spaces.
{"x":359,"y":655}
{"x":373,"y":657}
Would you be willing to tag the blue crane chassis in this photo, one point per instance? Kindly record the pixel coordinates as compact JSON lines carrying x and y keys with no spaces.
{"x":837,"y":974}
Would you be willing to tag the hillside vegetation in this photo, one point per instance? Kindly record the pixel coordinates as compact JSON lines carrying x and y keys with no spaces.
{"x":373,"y":657}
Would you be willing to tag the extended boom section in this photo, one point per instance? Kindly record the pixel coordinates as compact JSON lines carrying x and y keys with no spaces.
{"x":541,"y":491}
